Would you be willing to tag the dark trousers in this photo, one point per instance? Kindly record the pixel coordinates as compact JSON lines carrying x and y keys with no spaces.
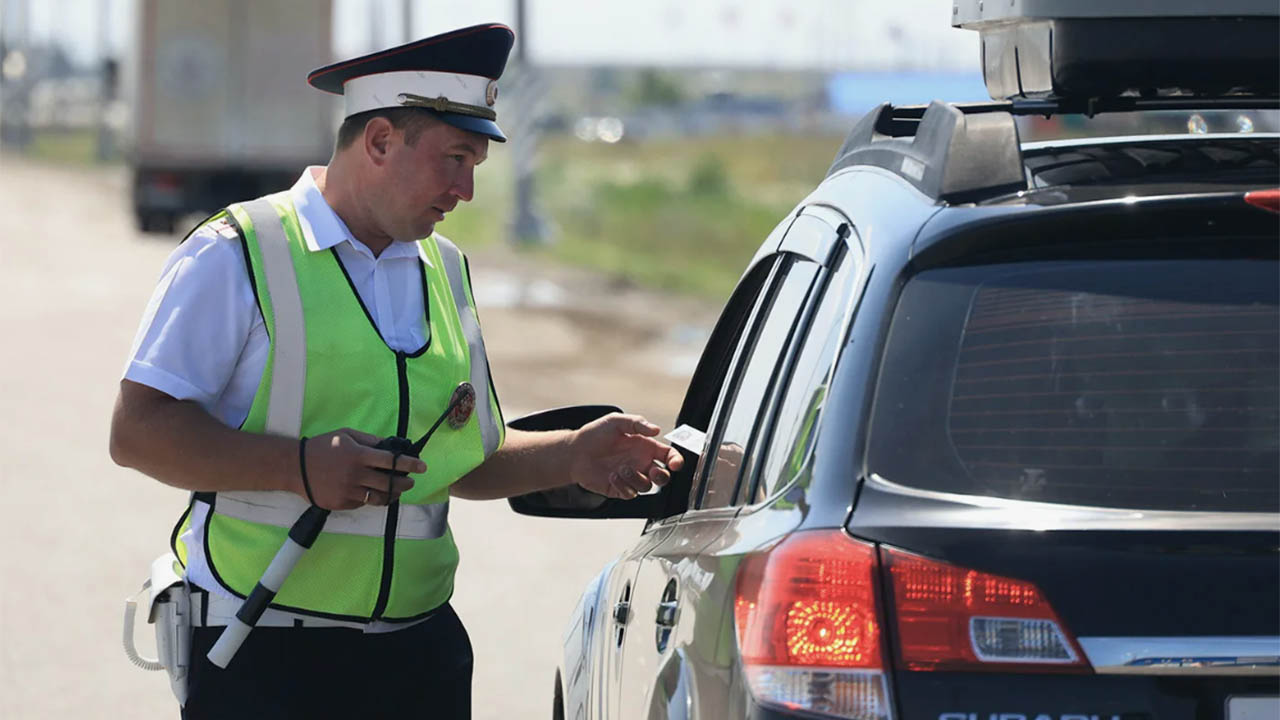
{"x":423,"y":671}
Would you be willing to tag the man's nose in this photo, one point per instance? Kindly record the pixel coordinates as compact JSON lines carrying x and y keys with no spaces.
{"x":465,"y":187}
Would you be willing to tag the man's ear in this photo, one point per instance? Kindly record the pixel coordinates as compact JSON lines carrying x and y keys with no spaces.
{"x":377,"y":139}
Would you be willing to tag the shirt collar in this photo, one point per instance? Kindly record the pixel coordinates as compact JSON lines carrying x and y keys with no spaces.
{"x":323,"y":229}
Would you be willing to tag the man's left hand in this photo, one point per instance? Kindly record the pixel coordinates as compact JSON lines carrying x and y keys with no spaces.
{"x":617,"y":456}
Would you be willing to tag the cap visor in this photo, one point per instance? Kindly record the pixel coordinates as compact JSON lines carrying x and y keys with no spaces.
{"x":488,"y":128}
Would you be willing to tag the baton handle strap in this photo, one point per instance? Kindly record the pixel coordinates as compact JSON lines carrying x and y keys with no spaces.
{"x":302,"y":468}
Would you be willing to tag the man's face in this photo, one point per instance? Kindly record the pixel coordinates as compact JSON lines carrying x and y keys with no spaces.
{"x":426,"y":180}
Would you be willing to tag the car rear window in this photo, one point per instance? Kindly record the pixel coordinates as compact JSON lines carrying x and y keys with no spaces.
{"x":1143,"y":384}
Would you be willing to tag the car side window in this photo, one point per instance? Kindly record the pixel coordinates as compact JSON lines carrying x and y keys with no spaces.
{"x":786,"y":446}
{"x":708,"y":381}
{"x":756,"y":371}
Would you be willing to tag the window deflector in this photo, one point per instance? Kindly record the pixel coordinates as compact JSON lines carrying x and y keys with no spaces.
{"x":739,"y":351}
{"x":800,"y":375}
{"x":763,"y":369}
{"x":844,"y":256}
{"x":708,"y":377}
{"x":816,"y":235}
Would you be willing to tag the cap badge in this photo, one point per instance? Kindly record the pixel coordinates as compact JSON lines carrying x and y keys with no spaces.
{"x":445,"y":105}
{"x":491,"y":93}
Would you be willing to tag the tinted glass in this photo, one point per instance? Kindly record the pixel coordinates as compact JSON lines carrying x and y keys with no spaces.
{"x":707,"y":385}
{"x":806,"y":390}
{"x":1149,"y":384}
{"x":758,"y":368}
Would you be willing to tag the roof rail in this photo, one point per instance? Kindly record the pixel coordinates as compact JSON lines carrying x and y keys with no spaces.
{"x":954,"y":153}
{"x":1094,"y":105}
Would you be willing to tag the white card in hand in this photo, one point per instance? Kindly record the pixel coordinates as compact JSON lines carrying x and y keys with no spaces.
{"x":688,"y":437}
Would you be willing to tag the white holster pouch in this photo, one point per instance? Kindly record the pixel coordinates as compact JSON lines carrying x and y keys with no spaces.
{"x":168,"y":600}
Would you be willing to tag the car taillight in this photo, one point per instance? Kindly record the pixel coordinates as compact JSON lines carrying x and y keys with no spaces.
{"x":952,"y":618}
{"x":808,"y":628}
{"x":1265,"y":199}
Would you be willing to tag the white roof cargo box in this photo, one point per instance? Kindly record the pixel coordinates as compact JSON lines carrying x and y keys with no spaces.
{"x":1109,"y":48}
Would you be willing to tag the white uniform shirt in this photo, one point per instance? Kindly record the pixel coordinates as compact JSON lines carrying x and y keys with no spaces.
{"x":203,"y":339}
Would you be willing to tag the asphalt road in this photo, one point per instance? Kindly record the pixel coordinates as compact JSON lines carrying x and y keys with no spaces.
{"x":77,"y":533}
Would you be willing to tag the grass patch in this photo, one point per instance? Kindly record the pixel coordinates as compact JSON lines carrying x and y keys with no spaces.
{"x":657,"y":234}
{"x":681,"y":215}
{"x":74,"y":147}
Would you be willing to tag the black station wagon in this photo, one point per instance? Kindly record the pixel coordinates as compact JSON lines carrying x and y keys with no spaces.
{"x":989,"y":430}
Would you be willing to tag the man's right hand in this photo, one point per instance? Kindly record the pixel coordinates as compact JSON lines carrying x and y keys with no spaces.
{"x":346,"y":471}
{"x":179,"y":443}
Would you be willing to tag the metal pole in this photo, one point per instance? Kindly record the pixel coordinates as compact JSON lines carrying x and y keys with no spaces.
{"x":528,"y":228}
{"x":6,"y":18}
{"x":107,"y":78}
{"x":17,"y":25}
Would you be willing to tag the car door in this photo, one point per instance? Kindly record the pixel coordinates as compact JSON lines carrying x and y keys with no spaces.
{"x":675,"y":658}
{"x":625,"y":621}
{"x":618,"y":592}
{"x":630,"y":630}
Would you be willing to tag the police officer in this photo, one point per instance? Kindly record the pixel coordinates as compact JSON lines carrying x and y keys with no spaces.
{"x":287,"y":336}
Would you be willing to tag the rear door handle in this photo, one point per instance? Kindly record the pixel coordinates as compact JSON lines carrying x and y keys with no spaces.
{"x":667,"y":614}
{"x":666,"y":617}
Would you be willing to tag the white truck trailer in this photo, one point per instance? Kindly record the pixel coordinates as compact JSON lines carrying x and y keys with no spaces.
{"x":221,"y":108}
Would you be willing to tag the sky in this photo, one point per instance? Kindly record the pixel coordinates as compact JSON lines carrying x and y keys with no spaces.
{"x":783,"y":34}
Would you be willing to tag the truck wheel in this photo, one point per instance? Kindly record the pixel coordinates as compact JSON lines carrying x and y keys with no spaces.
{"x":156,"y":222}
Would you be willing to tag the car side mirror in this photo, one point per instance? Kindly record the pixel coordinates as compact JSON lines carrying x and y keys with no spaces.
{"x":572,"y":501}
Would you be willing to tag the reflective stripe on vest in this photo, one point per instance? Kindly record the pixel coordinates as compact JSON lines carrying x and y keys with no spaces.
{"x":415,"y":522}
{"x":489,"y":429}
{"x":288,"y":379}
{"x":288,"y":376}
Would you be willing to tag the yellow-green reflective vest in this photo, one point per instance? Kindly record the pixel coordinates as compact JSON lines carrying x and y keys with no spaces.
{"x":329,"y":368}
